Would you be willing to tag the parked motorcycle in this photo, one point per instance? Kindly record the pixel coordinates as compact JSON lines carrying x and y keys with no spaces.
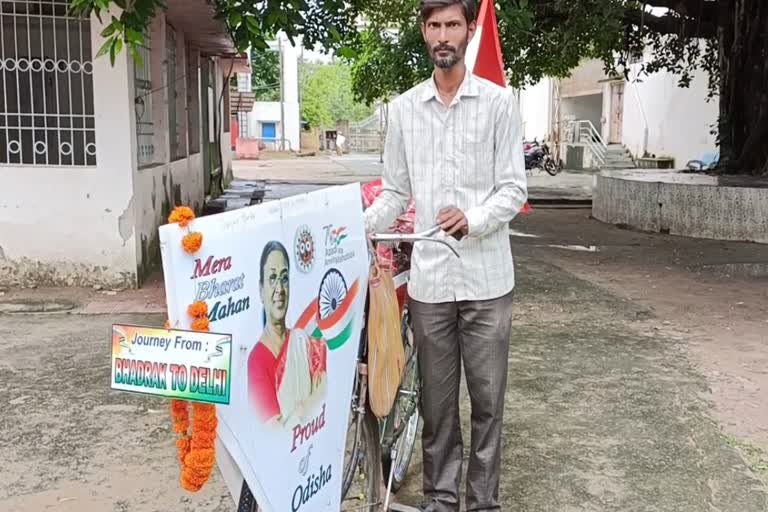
{"x":538,"y":156}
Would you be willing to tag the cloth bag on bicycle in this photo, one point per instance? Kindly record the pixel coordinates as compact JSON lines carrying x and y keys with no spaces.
{"x":386,"y":356}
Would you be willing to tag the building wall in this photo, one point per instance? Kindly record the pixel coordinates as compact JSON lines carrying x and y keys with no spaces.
{"x":270,"y":110}
{"x":584,"y":79}
{"x":76,"y":225}
{"x":535,"y":110}
{"x":98,"y":224}
{"x":679,"y":120}
{"x":178,"y":178}
{"x":583,"y":107}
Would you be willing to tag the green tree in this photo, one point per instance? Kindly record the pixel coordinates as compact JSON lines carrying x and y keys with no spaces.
{"x":265,"y":75}
{"x":726,"y":38}
{"x":327,"y":97}
{"x":250,"y":23}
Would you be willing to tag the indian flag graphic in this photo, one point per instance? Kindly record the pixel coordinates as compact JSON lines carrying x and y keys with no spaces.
{"x":338,"y":235}
{"x":330,"y":315}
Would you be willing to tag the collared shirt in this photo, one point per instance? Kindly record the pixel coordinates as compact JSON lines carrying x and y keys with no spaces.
{"x":469,"y":155}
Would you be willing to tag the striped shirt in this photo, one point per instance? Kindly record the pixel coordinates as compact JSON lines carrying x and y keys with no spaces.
{"x":468,"y":155}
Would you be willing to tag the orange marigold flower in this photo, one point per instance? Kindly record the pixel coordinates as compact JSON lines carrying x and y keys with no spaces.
{"x":198,"y":309}
{"x":180,"y":416}
{"x":197,"y":469}
{"x":183,"y":446}
{"x":202,"y":440}
{"x":182,"y":215}
{"x":200,"y":462}
{"x":201,"y":324}
{"x":190,"y":484}
{"x":192,"y":242}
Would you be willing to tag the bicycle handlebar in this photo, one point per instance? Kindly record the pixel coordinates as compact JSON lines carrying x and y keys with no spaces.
{"x":424,"y":236}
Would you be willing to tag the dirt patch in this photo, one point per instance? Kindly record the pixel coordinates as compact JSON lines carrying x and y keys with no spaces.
{"x":697,"y":293}
{"x":71,"y":444}
{"x":604,"y":409}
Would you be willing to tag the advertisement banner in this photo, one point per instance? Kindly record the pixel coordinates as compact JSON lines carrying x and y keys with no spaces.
{"x":287,"y":279}
{"x":186,"y":365}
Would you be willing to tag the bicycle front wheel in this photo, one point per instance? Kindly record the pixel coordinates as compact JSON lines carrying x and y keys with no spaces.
{"x":247,"y":500}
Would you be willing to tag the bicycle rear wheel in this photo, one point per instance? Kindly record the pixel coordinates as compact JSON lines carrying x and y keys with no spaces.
{"x":362,"y":465}
{"x":404,"y":421}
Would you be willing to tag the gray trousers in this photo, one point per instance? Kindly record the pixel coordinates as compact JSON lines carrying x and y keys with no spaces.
{"x":446,"y":334}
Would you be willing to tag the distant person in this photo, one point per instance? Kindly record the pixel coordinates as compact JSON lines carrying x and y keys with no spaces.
{"x":340,"y":143}
{"x":454,"y":144}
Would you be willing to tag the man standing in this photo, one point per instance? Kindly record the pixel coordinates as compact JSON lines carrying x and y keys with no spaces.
{"x":454,"y":143}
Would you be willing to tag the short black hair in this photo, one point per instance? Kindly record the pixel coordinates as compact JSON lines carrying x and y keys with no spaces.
{"x":427,"y":7}
{"x":271,"y":247}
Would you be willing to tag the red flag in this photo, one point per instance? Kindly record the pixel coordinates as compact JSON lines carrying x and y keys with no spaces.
{"x":484,"y":52}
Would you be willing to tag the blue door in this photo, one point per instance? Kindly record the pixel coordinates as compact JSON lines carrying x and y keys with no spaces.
{"x":268,"y":131}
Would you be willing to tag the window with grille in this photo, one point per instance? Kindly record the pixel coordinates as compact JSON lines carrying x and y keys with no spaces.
{"x":46,"y":83}
{"x":243,"y":82}
{"x":142,"y":83}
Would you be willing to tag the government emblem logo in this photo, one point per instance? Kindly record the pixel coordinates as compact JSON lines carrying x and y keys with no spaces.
{"x":304,"y":249}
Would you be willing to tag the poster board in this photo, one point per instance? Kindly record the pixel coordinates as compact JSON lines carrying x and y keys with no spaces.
{"x":287,"y":279}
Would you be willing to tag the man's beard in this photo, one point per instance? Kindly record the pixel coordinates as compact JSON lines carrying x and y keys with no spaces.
{"x":453,"y":58}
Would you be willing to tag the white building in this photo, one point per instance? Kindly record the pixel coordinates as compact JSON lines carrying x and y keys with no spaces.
{"x":272,"y":122}
{"x":611,"y":122}
{"x":93,"y":157}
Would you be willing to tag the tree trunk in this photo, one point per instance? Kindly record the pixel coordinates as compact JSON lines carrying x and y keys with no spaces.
{"x":743,"y":124}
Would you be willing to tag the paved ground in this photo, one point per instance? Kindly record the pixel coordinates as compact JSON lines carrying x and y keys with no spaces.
{"x":637,"y":378}
{"x":287,"y":176}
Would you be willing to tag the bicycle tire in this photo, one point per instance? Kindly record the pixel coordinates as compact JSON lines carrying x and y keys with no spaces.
{"x":369,"y":440}
{"x":247,"y":501}
{"x":409,"y":433}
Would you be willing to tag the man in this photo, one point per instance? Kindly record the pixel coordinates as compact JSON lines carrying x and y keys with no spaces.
{"x":454,"y":143}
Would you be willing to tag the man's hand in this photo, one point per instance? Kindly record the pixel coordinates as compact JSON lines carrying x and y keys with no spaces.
{"x":453,"y":222}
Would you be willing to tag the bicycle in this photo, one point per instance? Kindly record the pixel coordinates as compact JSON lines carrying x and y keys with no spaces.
{"x":379,"y":446}
{"x":398,"y":430}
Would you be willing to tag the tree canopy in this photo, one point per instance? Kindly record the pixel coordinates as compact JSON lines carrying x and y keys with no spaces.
{"x":326,"y":95}
{"x":727,"y":38}
{"x":265,"y":75}
{"x":250,"y":23}
{"x":539,"y":38}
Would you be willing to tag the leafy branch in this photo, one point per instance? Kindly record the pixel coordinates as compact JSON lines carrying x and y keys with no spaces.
{"x":249,"y":23}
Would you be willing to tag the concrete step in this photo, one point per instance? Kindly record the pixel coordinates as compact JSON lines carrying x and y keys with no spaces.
{"x":617,"y":167}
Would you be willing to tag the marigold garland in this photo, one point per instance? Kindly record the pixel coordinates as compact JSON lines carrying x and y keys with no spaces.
{"x":198,"y":309}
{"x":196,"y":449}
{"x":201,"y":324}
{"x":192,"y":242}
{"x":182,"y":215}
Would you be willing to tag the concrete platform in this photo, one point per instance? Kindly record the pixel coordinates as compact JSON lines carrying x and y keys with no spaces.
{"x":694,"y":205}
